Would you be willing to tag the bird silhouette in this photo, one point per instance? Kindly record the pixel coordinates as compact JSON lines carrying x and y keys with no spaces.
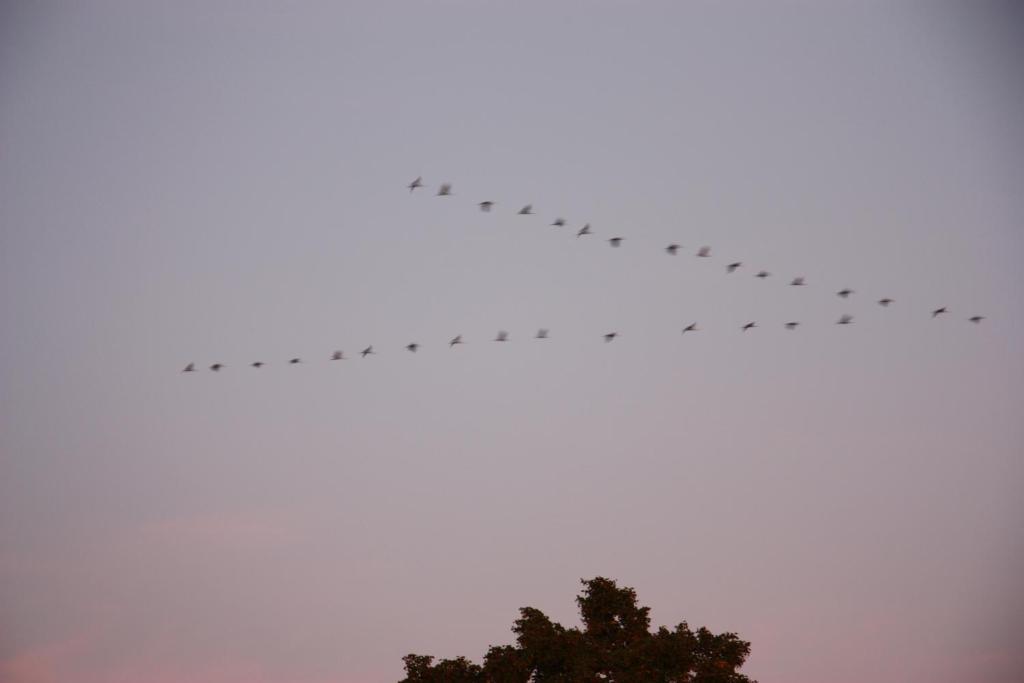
{"x":559,"y":222}
{"x":749,"y":326}
{"x":585,"y":230}
{"x":368,"y":351}
{"x":615,"y":241}
{"x":938,"y":311}
{"x":976,"y":319}
{"x":216,"y":367}
{"x":845,"y":320}
{"x":610,"y":336}
{"x":672,"y":249}
{"x":455,"y":340}
{"x":486,"y":206}
{"x":704,"y":252}
{"x":791,"y":325}
{"x":337,"y":355}
{"x":445,"y":190}
{"x":692,"y":327}
{"x":762,"y":274}
{"x":191,"y":367}
{"x":294,"y":361}
{"x":257,"y":364}
{"x":845,"y":293}
{"x":731,"y":268}
{"x":412,"y":347}
{"x":416,"y":183}
{"x":542,"y":334}
{"x":797,"y":282}
{"x":884,"y":302}
{"x":501,"y":336}
{"x":526,"y":210}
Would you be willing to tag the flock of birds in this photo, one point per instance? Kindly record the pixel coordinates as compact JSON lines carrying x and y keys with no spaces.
{"x":486,"y":206}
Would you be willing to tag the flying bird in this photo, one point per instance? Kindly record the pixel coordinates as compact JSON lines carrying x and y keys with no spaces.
{"x":191,"y":367}
{"x":672,"y":249}
{"x":610,"y":336}
{"x":258,"y":364}
{"x":337,"y":355}
{"x":294,"y":361}
{"x":884,"y":302}
{"x":762,"y":274}
{"x":455,"y":340}
{"x":585,"y":230}
{"x":749,"y":326}
{"x":542,"y":334}
{"x":559,"y":222}
{"x":791,"y":325}
{"x":845,"y":320}
{"x":501,"y":336}
{"x":733,"y":266}
{"x":368,"y":351}
{"x":445,"y":190}
{"x":486,"y":206}
{"x":416,"y":183}
{"x":704,"y":252}
{"x":797,"y":282}
{"x":692,"y":327}
{"x":615,"y":241}
{"x":844,"y":293}
{"x":216,"y":367}
{"x":412,"y":347}
{"x":976,"y":319}
{"x":526,"y":210}
{"x":938,"y":311}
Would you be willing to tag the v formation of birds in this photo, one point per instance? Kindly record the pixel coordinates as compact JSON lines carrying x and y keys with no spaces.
{"x":487,"y":206}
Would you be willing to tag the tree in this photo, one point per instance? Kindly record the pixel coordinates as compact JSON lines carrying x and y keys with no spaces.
{"x":615,"y":645}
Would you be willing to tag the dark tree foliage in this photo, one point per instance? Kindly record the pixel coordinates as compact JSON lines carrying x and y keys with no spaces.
{"x":615,"y":645}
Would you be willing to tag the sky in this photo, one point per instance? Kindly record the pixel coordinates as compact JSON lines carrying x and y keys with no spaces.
{"x":226,"y":182}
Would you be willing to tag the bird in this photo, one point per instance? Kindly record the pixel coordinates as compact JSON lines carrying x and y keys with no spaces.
{"x":672,"y":249}
{"x":257,"y":364}
{"x":368,"y":351}
{"x":455,"y":340}
{"x":337,"y":355}
{"x":791,"y":325}
{"x":501,"y":336}
{"x":445,"y":190}
{"x":692,"y":327}
{"x":486,"y":206}
{"x":610,"y":336}
{"x":797,"y":282}
{"x":216,"y":367}
{"x":294,"y":361}
{"x":845,"y":320}
{"x":976,"y":319}
{"x":412,"y":347}
{"x":884,"y":302}
{"x":585,"y":230}
{"x":844,"y":293}
{"x":938,"y":311}
{"x":731,"y":268}
{"x":704,"y":252}
{"x":615,"y":241}
{"x":191,"y":367}
{"x":749,"y":326}
{"x":526,"y":210}
{"x":559,"y":222}
{"x":541,"y":334}
{"x":762,"y":274}
{"x":416,"y":183}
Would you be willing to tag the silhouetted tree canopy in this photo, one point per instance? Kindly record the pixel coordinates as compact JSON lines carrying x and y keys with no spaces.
{"x":615,"y":645}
